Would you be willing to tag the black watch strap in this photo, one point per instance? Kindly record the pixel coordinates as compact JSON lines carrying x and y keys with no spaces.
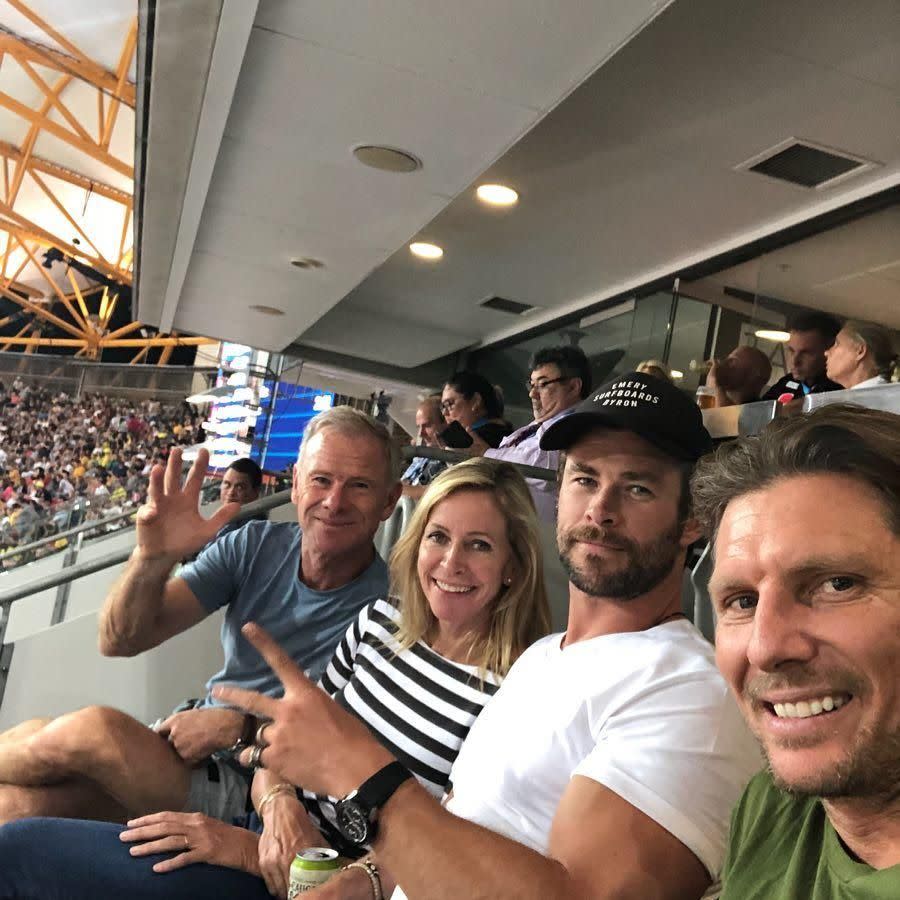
{"x":377,"y":790}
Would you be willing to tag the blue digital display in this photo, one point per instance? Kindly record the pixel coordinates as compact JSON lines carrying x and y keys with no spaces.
{"x":294,"y":406}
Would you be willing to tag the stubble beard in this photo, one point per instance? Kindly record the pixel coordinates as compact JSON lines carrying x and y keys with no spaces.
{"x":870,"y":767}
{"x":645,"y":565}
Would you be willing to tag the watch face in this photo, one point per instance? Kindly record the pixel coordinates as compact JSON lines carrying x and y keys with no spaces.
{"x":352,"y":821}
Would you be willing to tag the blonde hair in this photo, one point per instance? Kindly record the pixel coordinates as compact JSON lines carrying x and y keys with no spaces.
{"x":520,"y":613}
{"x":350,"y":421}
{"x":656,"y":368}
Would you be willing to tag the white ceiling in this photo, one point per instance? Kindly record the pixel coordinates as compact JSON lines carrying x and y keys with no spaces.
{"x":632,"y":176}
{"x":456,"y":84}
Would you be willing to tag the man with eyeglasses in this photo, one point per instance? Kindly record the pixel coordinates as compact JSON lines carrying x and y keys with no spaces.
{"x":560,"y":379}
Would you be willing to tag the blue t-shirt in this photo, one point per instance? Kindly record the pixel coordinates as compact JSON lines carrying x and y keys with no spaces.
{"x":254,"y":571}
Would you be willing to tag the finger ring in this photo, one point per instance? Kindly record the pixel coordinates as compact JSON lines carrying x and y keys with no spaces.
{"x":260,"y":734}
{"x":254,"y":761}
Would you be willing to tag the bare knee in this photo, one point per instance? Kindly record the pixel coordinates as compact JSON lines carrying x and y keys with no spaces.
{"x":24,"y":729}
{"x":78,"y":742}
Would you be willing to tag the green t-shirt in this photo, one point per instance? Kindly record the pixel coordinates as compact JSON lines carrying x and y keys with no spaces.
{"x":784,"y":848}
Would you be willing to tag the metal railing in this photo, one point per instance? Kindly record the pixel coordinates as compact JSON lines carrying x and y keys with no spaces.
{"x":65,"y":535}
{"x":119,"y":556}
{"x":72,"y":570}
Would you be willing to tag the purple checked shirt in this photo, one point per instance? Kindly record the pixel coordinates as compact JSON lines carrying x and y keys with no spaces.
{"x":524,"y":446}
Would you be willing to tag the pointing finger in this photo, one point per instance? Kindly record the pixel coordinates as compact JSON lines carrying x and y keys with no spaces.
{"x":279,"y":661}
{"x":249,"y":701}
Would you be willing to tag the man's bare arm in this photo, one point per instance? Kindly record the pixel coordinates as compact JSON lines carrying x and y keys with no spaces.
{"x":601,"y":848}
{"x":145,"y":607}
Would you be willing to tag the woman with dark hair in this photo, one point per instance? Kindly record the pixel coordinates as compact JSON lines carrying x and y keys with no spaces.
{"x":471,"y":400}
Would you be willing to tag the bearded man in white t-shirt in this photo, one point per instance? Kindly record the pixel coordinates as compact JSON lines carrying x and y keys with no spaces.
{"x":608,"y":763}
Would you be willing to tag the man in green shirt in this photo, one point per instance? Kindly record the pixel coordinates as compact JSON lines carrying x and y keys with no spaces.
{"x":805,"y":521}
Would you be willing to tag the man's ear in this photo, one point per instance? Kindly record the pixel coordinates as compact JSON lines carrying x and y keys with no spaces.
{"x":295,"y":479}
{"x":392,"y":498}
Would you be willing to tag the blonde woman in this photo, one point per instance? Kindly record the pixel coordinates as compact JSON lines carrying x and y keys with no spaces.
{"x":656,"y":368}
{"x":468,"y":598}
{"x":417,"y":668}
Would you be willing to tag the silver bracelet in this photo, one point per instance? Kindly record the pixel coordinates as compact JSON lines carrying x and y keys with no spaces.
{"x":371,"y":870}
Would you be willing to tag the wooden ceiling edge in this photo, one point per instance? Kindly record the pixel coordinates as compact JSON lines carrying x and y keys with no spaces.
{"x":69,"y":137}
{"x":28,"y":230}
{"x":86,"y":70}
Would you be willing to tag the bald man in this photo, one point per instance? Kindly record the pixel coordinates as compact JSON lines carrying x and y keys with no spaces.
{"x":740,"y":377}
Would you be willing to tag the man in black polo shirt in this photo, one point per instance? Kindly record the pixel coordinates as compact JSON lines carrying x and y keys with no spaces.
{"x":811,"y":335}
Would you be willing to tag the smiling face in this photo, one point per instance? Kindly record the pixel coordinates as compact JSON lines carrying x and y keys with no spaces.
{"x":464,"y":558}
{"x":618,"y":531}
{"x":808,"y":630}
{"x":342,"y":491}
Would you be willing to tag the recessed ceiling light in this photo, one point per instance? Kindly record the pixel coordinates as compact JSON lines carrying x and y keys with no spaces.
{"x":307,"y":262}
{"x":267,"y":310}
{"x":387,"y":159}
{"x":677,"y":373}
{"x":426,"y":251}
{"x":497,"y":195}
{"x":769,"y":334}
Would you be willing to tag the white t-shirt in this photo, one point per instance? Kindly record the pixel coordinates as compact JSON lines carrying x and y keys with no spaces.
{"x":645,"y":713}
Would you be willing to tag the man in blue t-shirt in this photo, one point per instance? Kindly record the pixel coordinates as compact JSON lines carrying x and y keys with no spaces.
{"x":303,"y":582}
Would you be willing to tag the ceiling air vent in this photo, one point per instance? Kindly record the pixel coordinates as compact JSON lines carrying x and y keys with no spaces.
{"x":805,"y":164}
{"x":513,"y":307}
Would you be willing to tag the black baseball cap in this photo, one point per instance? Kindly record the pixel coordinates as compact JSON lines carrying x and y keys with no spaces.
{"x":651,"y":407}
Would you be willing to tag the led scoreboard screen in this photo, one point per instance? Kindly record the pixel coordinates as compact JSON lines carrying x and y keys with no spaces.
{"x":294,"y":406}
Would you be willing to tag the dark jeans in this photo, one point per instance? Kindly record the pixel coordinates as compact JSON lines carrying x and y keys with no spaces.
{"x":67,"y":859}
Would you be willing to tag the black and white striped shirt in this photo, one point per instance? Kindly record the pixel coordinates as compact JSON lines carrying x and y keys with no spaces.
{"x":418,"y":704}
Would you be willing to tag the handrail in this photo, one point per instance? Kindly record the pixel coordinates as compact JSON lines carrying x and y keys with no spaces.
{"x":247,"y":511}
{"x":71,"y":532}
{"x":454,"y":456}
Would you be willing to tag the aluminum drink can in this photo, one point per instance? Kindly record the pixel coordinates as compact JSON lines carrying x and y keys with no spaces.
{"x":310,"y":868}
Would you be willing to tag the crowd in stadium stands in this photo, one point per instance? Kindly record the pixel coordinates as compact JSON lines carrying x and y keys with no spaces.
{"x":614,"y":759}
{"x":65,"y":460}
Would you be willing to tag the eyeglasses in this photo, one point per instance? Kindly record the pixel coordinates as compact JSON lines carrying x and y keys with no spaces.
{"x":447,"y":405}
{"x":543,"y":385}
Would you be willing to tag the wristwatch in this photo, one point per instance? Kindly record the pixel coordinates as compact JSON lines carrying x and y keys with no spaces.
{"x":357,"y":814}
